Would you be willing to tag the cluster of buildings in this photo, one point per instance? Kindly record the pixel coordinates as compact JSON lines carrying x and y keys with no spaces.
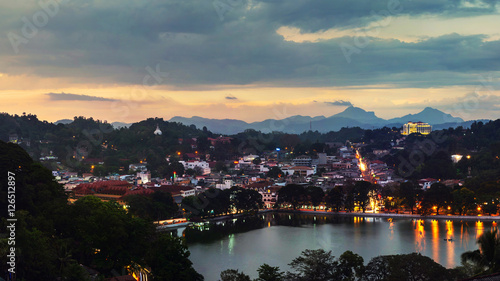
{"x":325,"y":171}
{"x":248,"y":171}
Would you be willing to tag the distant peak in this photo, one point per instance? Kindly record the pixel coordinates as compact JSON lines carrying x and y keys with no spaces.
{"x":354,"y":109}
{"x":430,"y":109}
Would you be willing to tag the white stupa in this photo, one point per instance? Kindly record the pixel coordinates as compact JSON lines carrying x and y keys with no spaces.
{"x":157,"y":131}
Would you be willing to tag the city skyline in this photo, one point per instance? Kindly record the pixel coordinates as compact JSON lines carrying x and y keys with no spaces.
{"x":248,"y":60}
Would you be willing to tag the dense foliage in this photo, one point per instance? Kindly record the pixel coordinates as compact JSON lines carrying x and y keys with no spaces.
{"x":53,"y":238}
{"x":320,"y":265}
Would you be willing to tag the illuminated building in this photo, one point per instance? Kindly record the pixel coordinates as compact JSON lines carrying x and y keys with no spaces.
{"x":416,"y":127}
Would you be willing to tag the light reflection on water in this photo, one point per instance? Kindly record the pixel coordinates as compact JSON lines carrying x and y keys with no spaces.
{"x":277,"y":245}
{"x":435,"y":239}
{"x":450,"y":239}
{"x":479,"y":228}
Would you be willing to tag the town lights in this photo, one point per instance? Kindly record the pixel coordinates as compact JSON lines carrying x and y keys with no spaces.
{"x":362,"y":166}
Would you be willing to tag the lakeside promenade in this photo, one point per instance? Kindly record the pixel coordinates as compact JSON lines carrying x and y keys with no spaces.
{"x":387,"y":215}
{"x":360,"y":214}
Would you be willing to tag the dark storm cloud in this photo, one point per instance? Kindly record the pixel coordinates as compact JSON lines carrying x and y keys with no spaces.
{"x":339,"y":103}
{"x":326,"y":14}
{"x":74,"y":97}
{"x":123,"y":41}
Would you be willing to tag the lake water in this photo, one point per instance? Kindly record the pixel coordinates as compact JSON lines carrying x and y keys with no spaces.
{"x":285,"y":236}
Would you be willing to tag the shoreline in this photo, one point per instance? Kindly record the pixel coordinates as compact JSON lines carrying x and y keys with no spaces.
{"x":370,"y":215}
{"x":384,"y":215}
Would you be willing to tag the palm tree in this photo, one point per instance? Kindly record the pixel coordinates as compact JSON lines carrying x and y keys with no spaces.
{"x":487,"y":258}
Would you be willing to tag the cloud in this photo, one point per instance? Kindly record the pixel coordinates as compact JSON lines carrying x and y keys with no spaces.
{"x":125,"y":42}
{"x":339,"y":103}
{"x":75,"y":97}
{"x":231,"y":98}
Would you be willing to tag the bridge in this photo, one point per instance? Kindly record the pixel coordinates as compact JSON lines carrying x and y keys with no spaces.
{"x":175,"y":229}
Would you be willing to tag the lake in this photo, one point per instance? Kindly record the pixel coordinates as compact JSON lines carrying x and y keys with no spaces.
{"x":282,"y":237}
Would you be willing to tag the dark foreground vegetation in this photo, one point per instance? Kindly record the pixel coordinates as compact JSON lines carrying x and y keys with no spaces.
{"x":87,"y":240}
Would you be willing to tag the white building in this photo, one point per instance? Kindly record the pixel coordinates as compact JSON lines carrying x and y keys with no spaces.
{"x":263,"y":168}
{"x":143,"y":177}
{"x":302,"y":171}
{"x":203,"y":165}
{"x":303,"y":160}
{"x":226,"y":185}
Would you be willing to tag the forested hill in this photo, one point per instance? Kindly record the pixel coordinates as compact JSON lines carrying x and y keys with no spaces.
{"x":85,"y":142}
{"x":86,"y":138}
{"x":55,"y":240}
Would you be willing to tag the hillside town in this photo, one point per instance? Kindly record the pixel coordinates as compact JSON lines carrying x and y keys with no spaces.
{"x":265,"y":173}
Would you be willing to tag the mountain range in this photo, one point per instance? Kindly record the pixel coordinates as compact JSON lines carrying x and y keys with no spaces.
{"x":350,"y":117}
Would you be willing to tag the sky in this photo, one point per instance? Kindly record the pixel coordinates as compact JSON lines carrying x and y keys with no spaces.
{"x":128,"y":60}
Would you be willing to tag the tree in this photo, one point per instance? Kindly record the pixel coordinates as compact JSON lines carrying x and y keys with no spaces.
{"x":405,"y":267}
{"x":275,"y":172}
{"x":233,"y":275}
{"x":174,"y":167}
{"x":350,"y":267}
{"x":220,"y":166}
{"x":438,"y":195}
{"x":192,"y":206}
{"x":157,"y":206}
{"x":361,"y":190}
{"x":169,"y":260}
{"x":313,"y":265}
{"x":106,"y":236}
{"x":463,"y":200}
{"x":315,"y":195}
{"x":41,"y":211}
{"x":270,"y":273}
{"x":99,"y":171}
{"x":246,"y":199}
{"x":335,"y":198}
{"x":292,"y":194}
{"x":210,"y":202}
{"x":409,"y":191}
{"x":487,"y":258}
